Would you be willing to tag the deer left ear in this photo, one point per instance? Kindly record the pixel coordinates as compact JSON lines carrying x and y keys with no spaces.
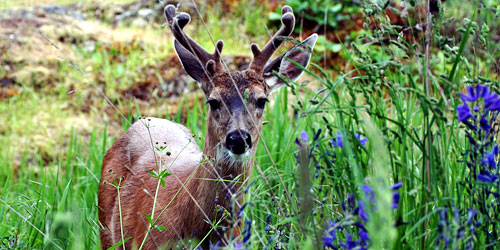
{"x":284,"y":65}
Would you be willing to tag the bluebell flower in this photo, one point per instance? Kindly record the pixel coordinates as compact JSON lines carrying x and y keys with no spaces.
{"x":368,"y":192}
{"x":316,"y":136}
{"x":397,"y":186}
{"x":463,"y":112}
{"x":487,"y":177}
{"x":247,"y":231}
{"x":395,"y":195}
{"x":331,"y":234}
{"x":475,"y":93}
{"x":238,"y":246}
{"x":363,"y":234}
{"x":303,"y":136}
{"x":463,"y":228}
{"x":338,"y":141}
{"x":361,"y":211}
{"x":479,"y":112}
{"x":491,"y":103}
{"x":361,"y":140}
{"x":395,"y":200}
{"x":490,"y":157}
{"x":268,"y":221}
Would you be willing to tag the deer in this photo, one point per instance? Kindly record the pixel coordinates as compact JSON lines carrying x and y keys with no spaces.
{"x":193,"y":194}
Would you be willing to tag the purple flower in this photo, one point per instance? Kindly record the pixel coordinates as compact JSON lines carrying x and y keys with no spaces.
{"x":331,"y":234}
{"x":475,"y":93}
{"x":303,"y":136}
{"x":349,"y":244}
{"x":396,"y":186}
{"x":463,"y":112}
{"x":491,"y":103}
{"x":471,"y":214}
{"x":361,"y":140}
{"x":361,"y":211}
{"x":368,"y":192}
{"x":316,"y":137}
{"x":246,"y":232}
{"x":490,"y":157}
{"x":487,"y":177}
{"x":484,"y":124}
{"x":395,"y":200}
{"x":363,"y":234}
{"x":268,"y":221}
{"x":338,"y":141}
{"x":238,"y":246}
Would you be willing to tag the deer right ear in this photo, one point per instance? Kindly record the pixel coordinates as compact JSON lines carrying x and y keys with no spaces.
{"x":286,"y":66}
{"x":192,"y":65}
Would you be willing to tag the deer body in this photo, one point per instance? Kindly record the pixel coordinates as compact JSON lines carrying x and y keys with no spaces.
{"x":201,"y":184}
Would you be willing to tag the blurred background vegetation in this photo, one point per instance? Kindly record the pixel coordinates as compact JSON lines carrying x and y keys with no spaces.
{"x":75,"y":74}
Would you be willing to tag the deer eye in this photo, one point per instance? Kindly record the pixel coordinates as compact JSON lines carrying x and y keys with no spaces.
{"x":261,"y":103}
{"x":214,"y":104}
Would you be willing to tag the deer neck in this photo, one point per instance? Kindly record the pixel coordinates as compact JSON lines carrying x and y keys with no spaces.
{"x":219,"y":179}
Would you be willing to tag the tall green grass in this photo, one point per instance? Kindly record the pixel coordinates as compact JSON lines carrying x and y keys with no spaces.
{"x":413,"y":137}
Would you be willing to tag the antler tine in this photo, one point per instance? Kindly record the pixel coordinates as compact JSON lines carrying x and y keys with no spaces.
{"x":177,"y":22}
{"x":260,"y":57}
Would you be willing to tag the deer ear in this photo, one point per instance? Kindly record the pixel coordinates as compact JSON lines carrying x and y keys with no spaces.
{"x":284,"y":65}
{"x":192,"y":65}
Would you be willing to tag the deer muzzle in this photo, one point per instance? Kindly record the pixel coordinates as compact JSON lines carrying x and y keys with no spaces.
{"x":238,"y":142}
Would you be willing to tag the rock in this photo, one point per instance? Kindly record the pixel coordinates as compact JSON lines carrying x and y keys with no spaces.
{"x":145,"y":12}
{"x":55,"y":9}
{"x":139,"y":23}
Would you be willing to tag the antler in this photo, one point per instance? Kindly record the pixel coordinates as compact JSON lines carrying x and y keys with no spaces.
{"x":212,"y":62}
{"x":260,"y":57}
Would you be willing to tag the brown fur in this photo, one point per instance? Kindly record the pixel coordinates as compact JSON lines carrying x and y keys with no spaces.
{"x":200,"y":199}
{"x":195,"y":192}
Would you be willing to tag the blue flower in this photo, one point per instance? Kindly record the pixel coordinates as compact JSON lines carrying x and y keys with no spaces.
{"x":247,"y":231}
{"x":487,"y":177}
{"x":331,"y":234}
{"x":303,"y":136}
{"x":368,"y":192}
{"x":338,"y":141}
{"x":475,"y":93}
{"x":238,"y":246}
{"x":490,"y":157}
{"x":361,"y":211}
{"x":463,"y":112}
{"x":491,"y":103}
{"x":396,"y":186}
{"x":395,"y":200}
{"x":361,"y":140}
{"x":363,"y":234}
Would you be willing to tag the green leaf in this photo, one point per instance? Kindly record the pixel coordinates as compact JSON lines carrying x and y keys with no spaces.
{"x":154,"y":173}
{"x":164,"y":173}
{"x":148,"y":217}
{"x":119,"y":243}
{"x":160,"y":228}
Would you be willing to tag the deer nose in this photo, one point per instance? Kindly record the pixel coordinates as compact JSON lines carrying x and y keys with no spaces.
{"x":238,"y":141}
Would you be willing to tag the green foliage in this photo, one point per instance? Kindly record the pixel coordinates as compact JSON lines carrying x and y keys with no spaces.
{"x":389,"y":92}
{"x":329,"y":13}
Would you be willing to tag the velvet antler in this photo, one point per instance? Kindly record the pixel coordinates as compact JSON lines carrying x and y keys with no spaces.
{"x":260,"y":57}
{"x":176,"y":22}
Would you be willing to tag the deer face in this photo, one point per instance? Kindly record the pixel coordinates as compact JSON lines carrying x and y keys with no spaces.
{"x":237,"y":99}
{"x":237,"y":103}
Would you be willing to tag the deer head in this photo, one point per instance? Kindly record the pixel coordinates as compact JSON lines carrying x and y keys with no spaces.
{"x":237,"y":99}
